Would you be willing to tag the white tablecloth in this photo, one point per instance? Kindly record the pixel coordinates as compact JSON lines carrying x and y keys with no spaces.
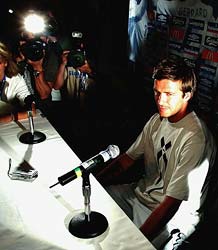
{"x":33,"y":216}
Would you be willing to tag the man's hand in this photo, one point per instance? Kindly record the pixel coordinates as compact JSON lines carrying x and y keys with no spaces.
{"x":64,"y":56}
{"x":37,"y":65}
{"x":85,"y":68}
{"x":22,"y":114}
{"x":112,"y":173}
{"x":6,"y":118}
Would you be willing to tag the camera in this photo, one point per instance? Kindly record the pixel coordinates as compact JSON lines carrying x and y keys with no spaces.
{"x":33,"y":49}
{"x":76,"y":56}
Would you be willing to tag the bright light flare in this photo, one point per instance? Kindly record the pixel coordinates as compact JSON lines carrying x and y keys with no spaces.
{"x":34,"y":23}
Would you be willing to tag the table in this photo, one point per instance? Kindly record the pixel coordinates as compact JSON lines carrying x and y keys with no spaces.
{"x":34,"y":216}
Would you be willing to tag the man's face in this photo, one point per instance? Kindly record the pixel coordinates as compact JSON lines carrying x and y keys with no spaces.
{"x":170,"y":99}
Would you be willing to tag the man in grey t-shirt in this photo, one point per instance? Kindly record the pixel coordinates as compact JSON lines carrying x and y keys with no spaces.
{"x":177,"y":150}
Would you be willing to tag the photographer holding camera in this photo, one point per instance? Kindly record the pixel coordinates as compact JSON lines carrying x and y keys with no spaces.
{"x":75,"y":75}
{"x":38,"y":58}
{"x":41,"y":59}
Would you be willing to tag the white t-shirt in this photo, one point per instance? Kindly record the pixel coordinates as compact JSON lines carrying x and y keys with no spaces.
{"x":14,"y":88}
{"x":76,"y":82}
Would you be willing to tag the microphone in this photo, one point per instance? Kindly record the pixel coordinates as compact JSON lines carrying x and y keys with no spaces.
{"x":28,"y":106}
{"x":111,"y":152}
{"x":32,"y":136}
{"x":28,"y":102}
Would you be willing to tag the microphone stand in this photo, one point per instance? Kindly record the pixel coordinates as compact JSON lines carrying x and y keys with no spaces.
{"x":87,"y":224}
{"x":32,"y":137}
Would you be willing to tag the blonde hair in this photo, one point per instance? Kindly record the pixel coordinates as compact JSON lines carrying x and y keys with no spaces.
{"x":6,"y":55}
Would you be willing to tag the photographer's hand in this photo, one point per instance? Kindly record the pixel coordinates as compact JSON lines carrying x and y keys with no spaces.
{"x":85,"y":68}
{"x":64,"y":56}
{"x":42,"y":86}
{"x":37,"y":65}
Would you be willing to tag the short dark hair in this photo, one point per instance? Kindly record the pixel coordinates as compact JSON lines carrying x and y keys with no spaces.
{"x":176,"y":69}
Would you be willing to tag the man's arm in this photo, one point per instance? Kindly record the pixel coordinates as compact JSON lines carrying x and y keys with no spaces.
{"x":42,"y":86}
{"x":6,"y":118}
{"x":114,"y":170}
{"x":59,"y":81}
{"x":160,"y":216}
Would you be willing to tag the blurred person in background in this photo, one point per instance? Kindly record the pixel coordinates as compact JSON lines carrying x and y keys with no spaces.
{"x":76,"y":80}
{"x":75,"y":75}
{"x":14,"y":92}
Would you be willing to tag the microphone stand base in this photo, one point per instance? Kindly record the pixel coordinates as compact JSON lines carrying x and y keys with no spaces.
{"x":29,"y":138}
{"x":80,"y":227}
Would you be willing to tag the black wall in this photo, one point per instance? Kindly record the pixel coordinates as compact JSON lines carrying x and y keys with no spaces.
{"x":104,"y":24}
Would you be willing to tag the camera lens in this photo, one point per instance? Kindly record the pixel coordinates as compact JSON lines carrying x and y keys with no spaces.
{"x":76,"y":58}
{"x":33,"y":50}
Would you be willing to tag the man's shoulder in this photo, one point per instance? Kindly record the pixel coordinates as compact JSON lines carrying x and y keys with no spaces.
{"x":155,"y":118}
{"x":153,"y":123}
{"x":194,"y":121}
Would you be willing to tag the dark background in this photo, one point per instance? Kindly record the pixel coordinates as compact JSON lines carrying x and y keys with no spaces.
{"x":120,"y":104}
{"x":103,"y":23}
